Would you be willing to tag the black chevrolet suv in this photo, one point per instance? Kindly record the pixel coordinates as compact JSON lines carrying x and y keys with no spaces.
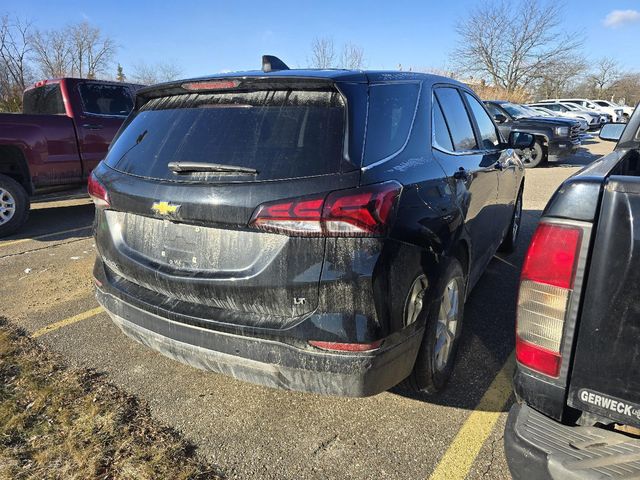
{"x":555,"y":137}
{"x":316,"y":230}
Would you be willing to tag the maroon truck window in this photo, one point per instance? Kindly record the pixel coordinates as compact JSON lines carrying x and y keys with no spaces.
{"x":45,"y":100}
{"x":102,"y":99}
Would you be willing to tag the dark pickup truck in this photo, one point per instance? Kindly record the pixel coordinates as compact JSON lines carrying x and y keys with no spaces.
{"x":49,"y":150}
{"x":555,"y":137}
{"x":577,"y":378}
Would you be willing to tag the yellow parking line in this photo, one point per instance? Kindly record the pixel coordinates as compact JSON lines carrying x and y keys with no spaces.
{"x":457,"y":460}
{"x":46,"y":235}
{"x":67,"y":321}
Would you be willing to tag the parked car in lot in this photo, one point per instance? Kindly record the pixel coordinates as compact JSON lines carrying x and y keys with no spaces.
{"x":612,"y":114}
{"x":554,"y":137}
{"x":627,"y":111}
{"x":64,"y":131}
{"x":570,"y":110}
{"x":545,"y":112}
{"x":316,"y":230}
{"x":576,"y":381}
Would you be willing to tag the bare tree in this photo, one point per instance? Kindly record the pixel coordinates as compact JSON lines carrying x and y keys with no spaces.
{"x":91,"y":52}
{"x":79,"y":50}
{"x":559,"y":77}
{"x":53,"y":53}
{"x":626,"y":89}
{"x":605,"y":74}
{"x":150,"y":74}
{"x":15,"y":71}
{"x":15,"y":49}
{"x":352,"y":57}
{"x":323,"y":53}
{"x":511,"y":44}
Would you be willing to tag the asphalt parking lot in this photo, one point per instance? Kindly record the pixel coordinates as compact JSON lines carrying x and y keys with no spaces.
{"x":256,"y":432}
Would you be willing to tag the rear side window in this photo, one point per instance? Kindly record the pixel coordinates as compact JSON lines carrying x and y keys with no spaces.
{"x":279,"y":133}
{"x":101,"y":99}
{"x":45,"y":100}
{"x":392,"y":109}
{"x":457,"y":119}
{"x":488,"y":131}
{"x":441,"y":136}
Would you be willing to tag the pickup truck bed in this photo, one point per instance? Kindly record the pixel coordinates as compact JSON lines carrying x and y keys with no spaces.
{"x":65,"y":130}
{"x":584,"y":422}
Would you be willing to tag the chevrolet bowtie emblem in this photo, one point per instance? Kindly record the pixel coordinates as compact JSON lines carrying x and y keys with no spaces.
{"x":164,"y":208}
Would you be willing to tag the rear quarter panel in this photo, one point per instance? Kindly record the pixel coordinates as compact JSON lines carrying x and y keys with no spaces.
{"x":48,"y":144}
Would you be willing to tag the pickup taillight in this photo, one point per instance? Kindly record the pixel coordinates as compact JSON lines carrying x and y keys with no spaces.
{"x":546,"y":284}
{"x":358,"y":212}
{"x":97,"y":192}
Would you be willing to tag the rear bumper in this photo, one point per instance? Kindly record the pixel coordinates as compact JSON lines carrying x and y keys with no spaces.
{"x":538,"y":447}
{"x":267,"y":361}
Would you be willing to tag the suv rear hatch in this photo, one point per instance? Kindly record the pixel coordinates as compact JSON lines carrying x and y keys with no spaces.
{"x":188,"y":170}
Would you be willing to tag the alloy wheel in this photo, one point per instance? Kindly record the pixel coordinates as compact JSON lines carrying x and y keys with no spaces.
{"x":447,"y":326}
{"x":7,"y":206}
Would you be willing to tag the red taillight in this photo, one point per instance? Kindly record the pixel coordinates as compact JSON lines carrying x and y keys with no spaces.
{"x":346,"y":347}
{"x":211,"y":85}
{"x":360,"y":212}
{"x":97,"y":192}
{"x":364,"y":212}
{"x":552,"y":255}
{"x":538,"y":358}
{"x":546,"y":283}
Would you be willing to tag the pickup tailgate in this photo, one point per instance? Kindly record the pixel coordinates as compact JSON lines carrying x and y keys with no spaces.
{"x":605,"y":377}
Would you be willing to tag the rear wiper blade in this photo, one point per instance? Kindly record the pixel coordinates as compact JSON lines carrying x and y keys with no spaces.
{"x":188,"y":167}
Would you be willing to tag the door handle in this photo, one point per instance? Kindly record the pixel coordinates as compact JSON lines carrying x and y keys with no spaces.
{"x":461,"y":174}
{"x":92,"y":126}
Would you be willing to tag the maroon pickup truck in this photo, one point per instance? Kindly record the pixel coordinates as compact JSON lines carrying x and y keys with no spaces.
{"x":50,"y":149}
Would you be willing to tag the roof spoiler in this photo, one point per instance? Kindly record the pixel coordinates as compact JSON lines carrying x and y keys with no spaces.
{"x":272,"y":63}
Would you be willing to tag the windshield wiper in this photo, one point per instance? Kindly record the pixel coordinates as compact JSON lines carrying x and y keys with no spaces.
{"x":189,"y":167}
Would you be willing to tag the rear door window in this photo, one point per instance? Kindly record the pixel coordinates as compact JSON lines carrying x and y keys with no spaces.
{"x":441,"y":136}
{"x":457,"y":119}
{"x":45,"y":100}
{"x":489,"y":137}
{"x":392,"y":108}
{"x":104,"y":99}
{"x":279,"y":133}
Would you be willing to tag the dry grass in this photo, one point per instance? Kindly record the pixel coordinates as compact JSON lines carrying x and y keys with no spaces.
{"x":488,"y":92}
{"x":59,"y":423}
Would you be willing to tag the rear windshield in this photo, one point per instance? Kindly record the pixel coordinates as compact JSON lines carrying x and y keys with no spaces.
{"x":279,"y":133}
{"x":103,"y":99}
{"x":45,"y":100}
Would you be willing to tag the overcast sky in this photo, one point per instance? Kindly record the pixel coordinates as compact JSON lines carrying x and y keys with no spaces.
{"x":212,"y":36}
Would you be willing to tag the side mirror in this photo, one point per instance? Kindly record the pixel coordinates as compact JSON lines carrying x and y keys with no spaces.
{"x":611,"y":132}
{"x":521,"y":140}
{"x":499,"y":118}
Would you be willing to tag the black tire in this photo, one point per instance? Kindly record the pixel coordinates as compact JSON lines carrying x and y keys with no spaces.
{"x":427,"y":376}
{"x":14,"y":206}
{"x":534,"y":156}
{"x":510,"y":240}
